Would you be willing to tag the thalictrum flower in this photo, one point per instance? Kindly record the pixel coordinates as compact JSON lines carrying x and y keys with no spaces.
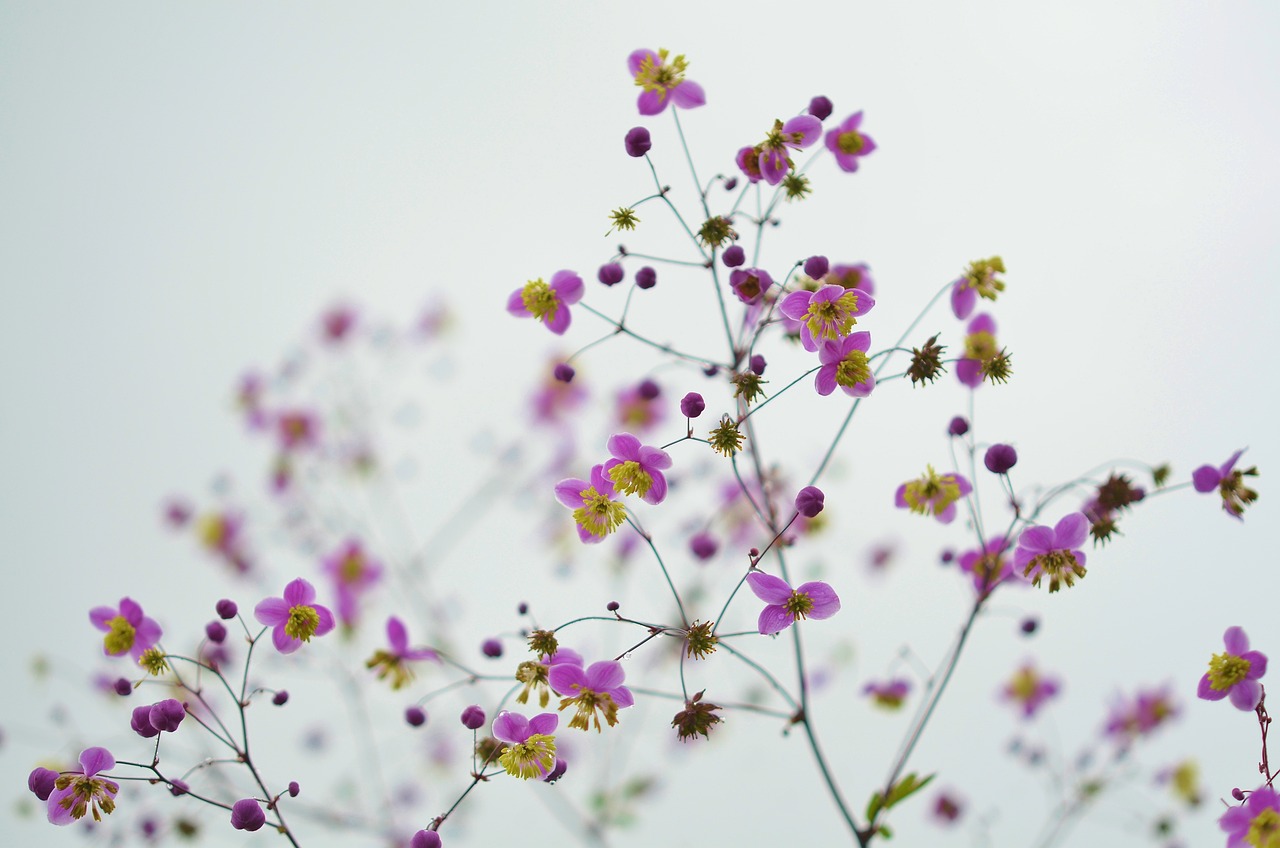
{"x":596,"y":510}
{"x":1139,"y":716}
{"x":786,"y":606}
{"x":1228,"y":482}
{"x":979,"y":347}
{"x":773,"y":161}
{"x":534,"y":674}
{"x":1029,"y":690}
{"x":848,"y":143}
{"x":889,"y":694}
{"x":990,"y":566}
{"x":933,"y":494}
{"x":394,"y":663}
{"x":1234,"y":673}
{"x":854,"y":276}
{"x":531,"y":749}
{"x":353,"y":572}
{"x":1053,"y":551}
{"x":749,"y":283}
{"x":663,"y":82}
{"x":77,"y":793}
{"x":978,"y":280}
{"x":548,"y":302}
{"x":1256,"y":822}
{"x":425,"y":839}
{"x":636,"y":469}
{"x":297,"y":429}
{"x":295,"y":618}
{"x":128,"y":630}
{"x":844,"y":364}
{"x":596,"y":690}
{"x":638,"y":407}
{"x":827,"y":314}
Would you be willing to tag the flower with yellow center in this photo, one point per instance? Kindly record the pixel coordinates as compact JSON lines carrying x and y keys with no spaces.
{"x":933,"y":494}
{"x":530,"y":749}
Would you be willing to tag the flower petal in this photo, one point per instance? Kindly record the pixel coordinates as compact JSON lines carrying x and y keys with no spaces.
{"x":1235,"y":640}
{"x":1246,"y":694}
{"x":624,"y":446}
{"x":544,"y":723}
{"x":131,"y":611}
{"x":326,"y":622}
{"x":272,"y":612}
{"x":1257,"y":663}
{"x":688,"y":95}
{"x":768,"y":588}
{"x":651,"y":102}
{"x":284,"y":643}
{"x":602,"y":676}
{"x":568,"y":285}
{"x":299,"y":592}
{"x":397,"y":636}
{"x":511,"y":727}
{"x":564,"y":676}
{"x":515,"y":304}
{"x":825,"y":601}
{"x":1206,"y":691}
{"x":773,"y":619}
{"x":94,"y":760}
{"x":1071,"y":530}
{"x":101,"y":617}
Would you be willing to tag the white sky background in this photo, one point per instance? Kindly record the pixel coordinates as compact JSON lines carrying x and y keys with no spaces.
{"x":184,"y":189}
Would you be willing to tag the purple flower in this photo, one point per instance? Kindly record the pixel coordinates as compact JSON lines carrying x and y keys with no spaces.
{"x":638,"y":142}
{"x":1029,"y":690}
{"x":827,"y":314}
{"x":597,"y":688}
{"x":1255,"y":822}
{"x":809,"y":501}
{"x":549,"y":303}
{"x":749,"y":283}
{"x":933,"y":494}
{"x":1229,"y":483}
{"x":990,"y":565}
{"x":531,"y":749}
{"x":595,"y":510}
{"x":703,"y":546}
{"x":855,"y":276}
{"x":295,"y":618}
{"x":844,"y":364}
{"x":128,"y":630}
{"x":692,"y":405}
{"x":785,"y":605}
{"x":354,"y":573}
{"x":1054,"y":552}
{"x":978,"y":280}
{"x":394,"y":663}
{"x":663,"y":83}
{"x":76,"y":793}
{"x":848,"y":144}
{"x":979,"y":347}
{"x":770,"y":160}
{"x":246,"y":814}
{"x":1149,"y":709}
{"x":636,"y":469}
{"x":534,"y":674}
{"x":1234,"y":673}
{"x":889,"y":694}
{"x":637,"y":409}
{"x":425,"y":839}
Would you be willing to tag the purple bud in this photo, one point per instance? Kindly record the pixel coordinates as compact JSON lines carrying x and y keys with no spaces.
{"x":247,"y":815}
{"x":730,"y":184}
{"x":215,"y":631}
{"x":758,"y":364}
{"x":711,"y":370}
{"x":141,"y":722}
{"x":123,"y":687}
{"x":958,"y":426}
{"x":473,"y":717}
{"x":1237,"y":794}
{"x":638,"y":142}
{"x":809,"y":501}
{"x":522,"y":608}
{"x":704,"y":546}
{"x":491,"y":648}
{"x":167,"y":715}
{"x":280,"y":698}
{"x":557,"y":772}
{"x":613,"y":606}
{"x":425,"y":839}
{"x":564,"y":372}
{"x":817,"y":267}
{"x":416,"y":716}
{"x":646,"y":278}
{"x":178,"y":787}
{"x":226,"y":608}
{"x":1028,"y":626}
{"x":948,"y":555}
{"x":1000,"y":458}
{"x":820,"y":107}
{"x":692,"y":405}
{"x":733,"y":256}
{"x":649,"y":390}
{"x":41,"y":781}
{"x":610,"y":274}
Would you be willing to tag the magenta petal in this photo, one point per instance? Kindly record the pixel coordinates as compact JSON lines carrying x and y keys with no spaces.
{"x":809,"y":127}
{"x":602,"y":676}
{"x":131,"y":611}
{"x":658,"y":491}
{"x":636,"y":60}
{"x":963,"y":299}
{"x":544,"y":723}
{"x":1071,"y":530}
{"x":326,"y":623}
{"x":1205,"y":479}
{"x":1230,"y":464}
{"x":1037,"y":539}
{"x":825,"y":601}
{"x":651,"y":457}
{"x":1235,"y":640}
{"x":796,"y":305}
{"x":569,"y":492}
{"x":564,"y":677}
{"x":94,"y":760}
{"x":511,"y":727}
{"x":651,"y":102}
{"x":515,"y":304}
{"x":148,"y":633}
{"x":559,"y":321}
{"x":299,"y":592}
{"x":984,"y":323}
{"x":1257,"y":663}
{"x":689,"y":95}
{"x":1206,"y":691}
{"x":624,"y":446}
{"x":825,"y":384}
{"x":101,"y":617}
{"x":770,"y":589}
{"x":773,"y":619}
{"x":272,"y":612}
{"x":860,"y":340}
{"x":948,"y":514}
{"x":565,"y":655}
{"x":57,"y":815}
{"x":397,"y":636}
{"x":284,"y":643}
{"x":1246,"y":694}
{"x":863,"y":389}
{"x":900,"y":497}
{"x":969,"y":372}
{"x":567,"y":285}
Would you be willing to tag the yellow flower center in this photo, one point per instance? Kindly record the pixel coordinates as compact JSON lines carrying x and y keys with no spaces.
{"x":88,"y":794}
{"x":853,"y":369}
{"x":1226,"y":670}
{"x":980,"y":345}
{"x":1024,"y":685}
{"x":630,"y":479}
{"x":588,"y":701}
{"x":799,"y":604}
{"x":352,"y":568}
{"x":850,"y":142}
{"x":212,"y":530}
{"x":152,"y":660}
{"x":1264,"y":832}
{"x":1061,"y":566}
{"x":658,"y":75}
{"x":932,"y":493}
{"x":831,"y":319}
{"x":533,"y":757}
{"x":119,"y":638}
{"x":540,"y":299}
{"x":599,"y":514}
{"x":534,"y":677}
{"x":390,"y":665}
{"x":302,"y":623}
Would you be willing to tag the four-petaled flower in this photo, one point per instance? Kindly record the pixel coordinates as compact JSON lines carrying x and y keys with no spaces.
{"x":1029,"y":690}
{"x":770,"y":160}
{"x":531,"y":749}
{"x":785,"y":606}
{"x":1053,"y":551}
{"x":844,"y":364}
{"x":889,"y":694}
{"x":534,"y":674}
{"x":1256,"y":822}
{"x":933,"y":494}
{"x":76,"y":793}
{"x":394,"y":663}
{"x":636,"y":469}
{"x":1234,"y":673}
{"x":128,"y":630}
{"x":595,"y":509}
{"x":1228,"y":482}
{"x":848,"y":144}
{"x":1141,"y":715}
{"x":827,"y":314}
{"x":548,"y":302}
{"x":354,"y":572}
{"x":295,"y":618}
{"x":663,"y":82}
{"x":597,"y":688}
{"x":990,"y":565}
{"x":978,"y":280}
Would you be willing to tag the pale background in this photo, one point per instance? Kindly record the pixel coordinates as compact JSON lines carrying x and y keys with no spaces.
{"x":184,"y":188}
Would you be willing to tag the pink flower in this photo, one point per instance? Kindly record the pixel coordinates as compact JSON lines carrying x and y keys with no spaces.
{"x":933,"y":494}
{"x":786,"y":606}
{"x":1255,"y":822}
{"x":1029,"y":690}
{"x":395,"y":662}
{"x":549,"y":303}
{"x":354,"y":573}
{"x":128,"y":630}
{"x":76,"y":793}
{"x":531,"y":749}
{"x":294,"y":618}
{"x":297,"y":429}
{"x":1053,"y":551}
{"x":844,"y":364}
{"x":663,"y":83}
{"x":595,"y":510}
{"x":827,"y":314}
{"x":636,"y":469}
{"x":990,"y":565}
{"x":1234,"y":673}
{"x":598,"y":688}
{"x":848,"y":144}
{"x":770,"y":160}
{"x":889,"y":694}
{"x":1148,"y":709}
{"x":979,"y":347}
{"x":1228,"y":482}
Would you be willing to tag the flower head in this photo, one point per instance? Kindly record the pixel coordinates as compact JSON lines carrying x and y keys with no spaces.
{"x":596,"y":690}
{"x":128,"y":630}
{"x":394,"y":663}
{"x":978,"y":280}
{"x":990,"y":565}
{"x":1234,"y":673}
{"x":1029,"y":690}
{"x":1140,"y":715}
{"x":636,"y":469}
{"x":353,"y":572}
{"x":596,"y":509}
{"x":696,"y":719}
{"x":827,"y":314}
{"x":531,"y":749}
{"x":848,"y":143}
{"x":534,"y":674}
{"x":76,"y":793}
{"x":749,"y":284}
{"x":933,"y":494}
{"x":1256,"y":822}
{"x":770,"y":160}
{"x":980,"y":348}
{"x":1053,"y":551}
{"x":785,"y":606}
{"x":295,"y":618}
{"x":844,"y":364}
{"x":888,"y":694}
{"x":548,"y":302}
{"x":1228,"y":482}
{"x":663,"y":82}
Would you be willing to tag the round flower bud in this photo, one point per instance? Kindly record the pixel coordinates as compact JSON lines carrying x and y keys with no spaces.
{"x":216,"y":632}
{"x":523,"y":608}
{"x":1028,"y":626}
{"x":638,"y":142}
{"x":294,"y":789}
{"x":646,"y":278}
{"x":704,"y":546}
{"x":1237,"y":794}
{"x":758,"y":364}
{"x":280,"y":698}
{"x":613,"y":606}
{"x":178,"y":787}
{"x":692,"y":405}
{"x":123,"y":687}
{"x":649,"y":390}
{"x":809,"y":501}
{"x":167,"y":714}
{"x":425,"y":839}
{"x":491,"y":648}
{"x":141,"y":722}
{"x":711,"y":370}
{"x":246,"y":814}
{"x":730,"y":184}
{"x":1000,"y":458}
{"x":41,"y":781}
{"x":226,"y":608}
{"x":416,"y":716}
{"x":733,"y":256}
{"x":817,"y":267}
{"x":820,"y":107}
{"x":610,"y":274}
{"x":948,"y":555}
{"x":958,"y":426}
{"x":473,"y":717}
{"x":564,"y":372}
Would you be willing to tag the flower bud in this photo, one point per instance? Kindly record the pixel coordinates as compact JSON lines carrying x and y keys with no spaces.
{"x":415,"y":716}
{"x":294,"y":789}
{"x":758,"y":364}
{"x":425,"y":839}
{"x":730,"y":184}
{"x":646,"y":278}
{"x":178,"y":787}
{"x":141,"y":722}
{"x":280,"y":698}
{"x":649,"y":390}
{"x":820,"y":107}
{"x":563,"y":372}
{"x":491,"y":648}
{"x":704,"y":546}
{"x":809,"y":501}
{"x":817,"y":267}
{"x":638,"y":142}
{"x":613,"y":606}
{"x":1000,"y":458}
{"x":473,"y":717}
{"x":692,"y":405}
{"x":246,"y":814}
{"x":733,"y":256}
{"x":610,"y":274}
{"x":41,"y":781}
{"x":122,"y":687}
{"x":958,"y":426}
{"x":167,"y":715}
{"x":226,"y":608}
{"x":215,"y":631}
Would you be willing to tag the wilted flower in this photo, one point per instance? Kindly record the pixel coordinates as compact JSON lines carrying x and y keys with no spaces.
{"x":82,"y":792}
{"x":697,"y":718}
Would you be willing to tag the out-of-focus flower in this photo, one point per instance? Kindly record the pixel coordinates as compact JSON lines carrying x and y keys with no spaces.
{"x":663,"y":82}
{"x":933,"y":494}
{"x":394,"y":662}
{"x":848,"y":143}
{"x":638,"y":142}
{"x":1234,"y":673}
{"x":548,"y":302}
{"x":128,"y":630}
{"x":1140,"y":715}
{"x":989,"y":566}
{"x":354,"y":573}
{"x":947,"y":808}
{"x":534,"y":674}
{"x":638,"y":407}
{"x":1256,"y":822}
{"x":980,"y":347}
{"x":297,"y":429}
{"x":785,"y":606}
{"x":978,"y":280}
{"x":336,"y":323}
{"x":889,"y":694}
{"x":1228,"y":482}
{"x":295,"y":618}
{"x":1053,"y":552}
{"x":1029,"y":690}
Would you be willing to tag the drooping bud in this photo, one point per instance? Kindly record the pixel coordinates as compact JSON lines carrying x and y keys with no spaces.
{"x":638,"y":142}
